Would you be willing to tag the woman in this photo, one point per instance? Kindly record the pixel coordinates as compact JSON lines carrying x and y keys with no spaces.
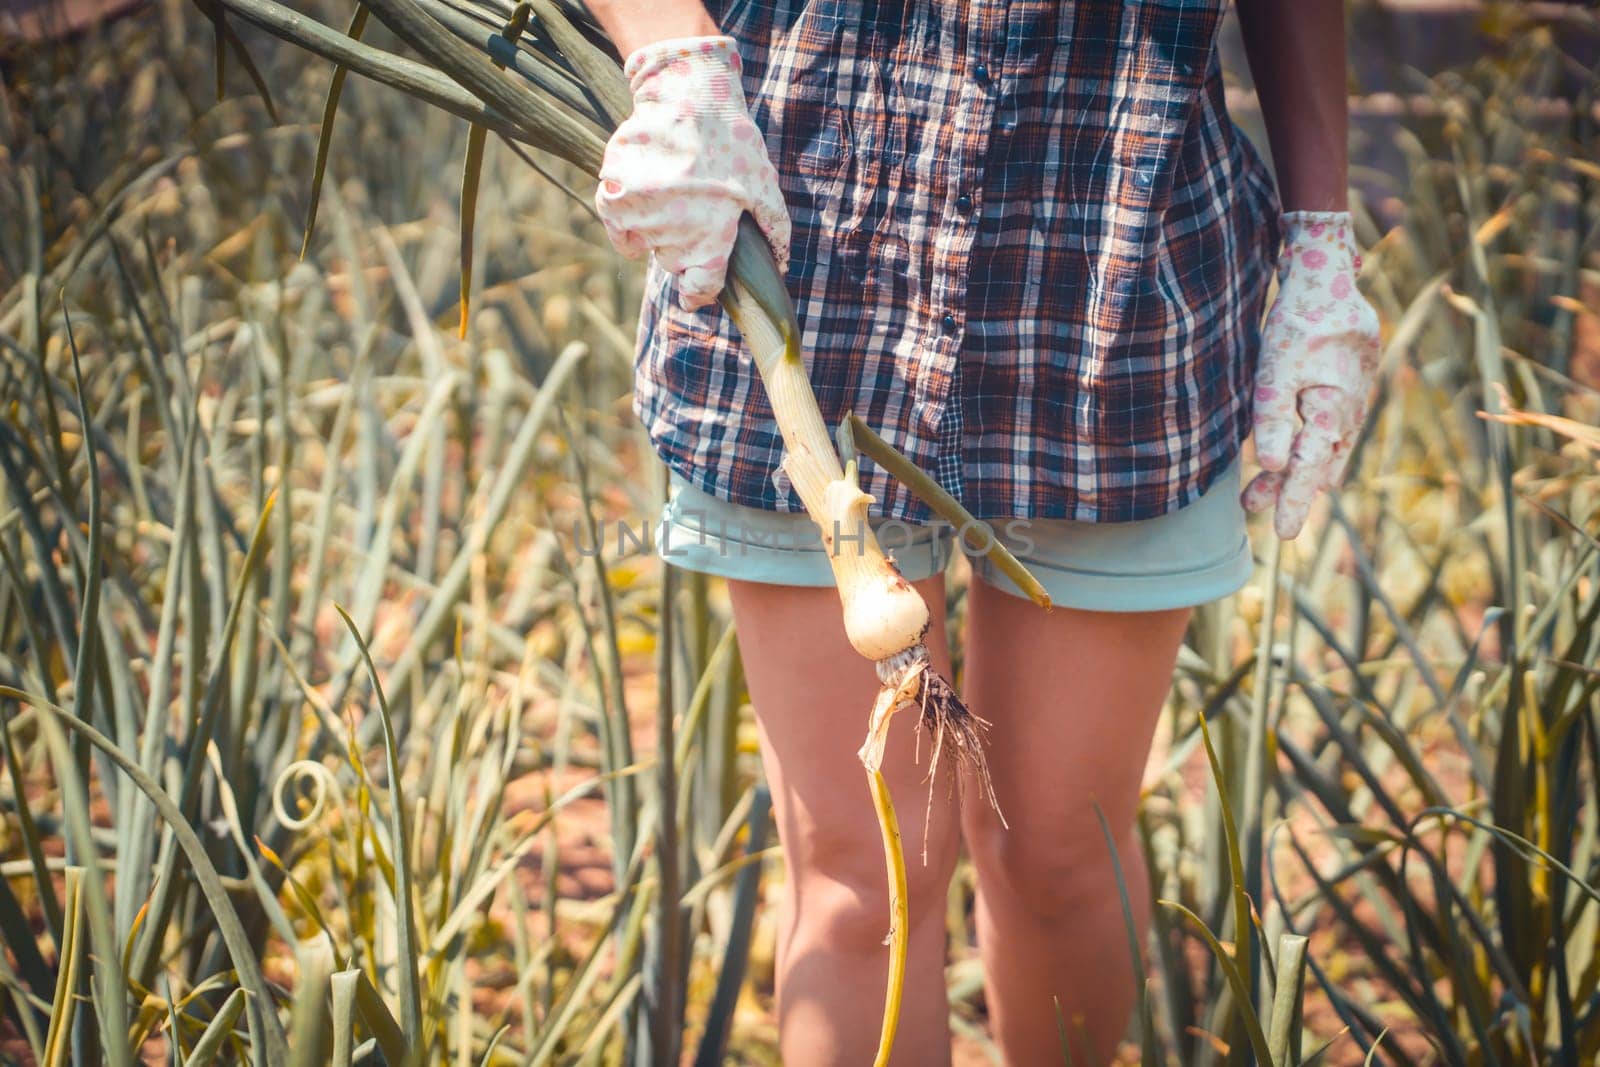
{"x":1029,"y":248}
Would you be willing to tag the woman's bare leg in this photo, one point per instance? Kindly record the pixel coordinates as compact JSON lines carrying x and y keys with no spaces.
{"x":1072,"y":698}
{"x":812,"y":693}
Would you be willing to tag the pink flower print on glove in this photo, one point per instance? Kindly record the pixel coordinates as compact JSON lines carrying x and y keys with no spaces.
{"x":1319,"y":355}
{"x":681,"y":170}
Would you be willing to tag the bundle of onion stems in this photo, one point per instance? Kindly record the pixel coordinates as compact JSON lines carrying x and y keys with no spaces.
{"x":542,"y":75}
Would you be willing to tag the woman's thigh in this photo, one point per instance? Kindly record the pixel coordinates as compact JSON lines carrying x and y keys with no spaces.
{"x":1074,"y":694}
{"x":812,"y":693}
{"x":1072,"y":698}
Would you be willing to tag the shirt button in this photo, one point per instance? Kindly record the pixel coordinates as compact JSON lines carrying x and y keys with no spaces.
{"x":948,"y":323}
{"x":964,"y":203}
{"x":980,"y":74}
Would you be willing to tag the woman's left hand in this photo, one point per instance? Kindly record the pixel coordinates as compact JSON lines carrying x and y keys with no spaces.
{"x":1319,"y":355}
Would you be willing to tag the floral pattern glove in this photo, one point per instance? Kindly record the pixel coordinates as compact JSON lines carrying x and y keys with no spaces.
{"x":681,"y":170}
{"x":1319,"y":355}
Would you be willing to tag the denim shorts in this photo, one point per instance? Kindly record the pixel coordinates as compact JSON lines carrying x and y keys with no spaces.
{"x":1182,"y":559}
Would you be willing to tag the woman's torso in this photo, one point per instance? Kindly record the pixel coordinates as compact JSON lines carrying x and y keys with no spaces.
{"x":1029,"y":248}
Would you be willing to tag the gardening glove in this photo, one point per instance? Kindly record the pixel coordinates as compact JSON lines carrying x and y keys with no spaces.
{"x":681,"y":170}
{"x":1319,"y":355}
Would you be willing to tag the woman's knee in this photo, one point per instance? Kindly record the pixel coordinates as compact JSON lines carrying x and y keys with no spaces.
{"x":1055,"y":871}
{"x":840,"y":890}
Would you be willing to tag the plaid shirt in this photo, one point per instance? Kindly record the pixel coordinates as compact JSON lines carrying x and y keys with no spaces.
{"x":1030,"y":249}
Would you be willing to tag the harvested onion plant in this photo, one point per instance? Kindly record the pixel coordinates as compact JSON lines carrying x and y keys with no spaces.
{"x":568,"y":94}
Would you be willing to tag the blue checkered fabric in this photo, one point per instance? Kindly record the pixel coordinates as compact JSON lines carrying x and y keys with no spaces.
{"x":1030,"y":249}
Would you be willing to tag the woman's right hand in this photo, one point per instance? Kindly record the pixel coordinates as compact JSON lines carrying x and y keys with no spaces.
{"x":681,"y":170}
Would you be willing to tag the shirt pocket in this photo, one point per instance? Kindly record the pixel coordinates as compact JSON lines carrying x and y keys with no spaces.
{"x":798,"y":105}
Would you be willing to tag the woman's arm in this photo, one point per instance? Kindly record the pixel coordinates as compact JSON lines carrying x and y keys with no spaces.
{"x":1319,"y":345}
{"x":1297,"y":59}
{"x":632,"y":24}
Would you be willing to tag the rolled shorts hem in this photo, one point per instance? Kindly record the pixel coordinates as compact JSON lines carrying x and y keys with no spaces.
{"x":1118,"y":567}
{"x":1083,"y":590}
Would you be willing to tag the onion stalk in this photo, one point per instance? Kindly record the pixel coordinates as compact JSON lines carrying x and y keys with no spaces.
{"x":885,"y":618}
{"x":568,"y":94}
